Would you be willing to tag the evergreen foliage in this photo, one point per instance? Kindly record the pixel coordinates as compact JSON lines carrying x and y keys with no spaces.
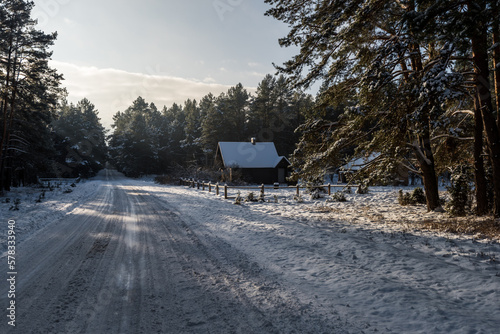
{"x":394,"y":85}
{"x":460,"y":192}
{"x":413,"y":198}
{"x":338,"y":196}
{"x":145,"y":141}
{"x":79,"y":140}
{"x":29,"y":90}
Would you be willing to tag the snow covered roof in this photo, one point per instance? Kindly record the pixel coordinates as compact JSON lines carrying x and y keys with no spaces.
{"x":250,"y":155}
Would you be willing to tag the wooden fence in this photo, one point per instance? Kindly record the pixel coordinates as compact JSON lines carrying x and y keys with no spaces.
{"x":218,"y":189}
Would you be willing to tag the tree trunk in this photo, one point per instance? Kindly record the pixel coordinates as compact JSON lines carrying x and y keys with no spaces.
{"x":479,"y":41}
{"x":423,"y":148}
{"x":496,"y":57}
{"x":425,"y":159}
{"x":479,"y":173}
{"x":5,"y":112}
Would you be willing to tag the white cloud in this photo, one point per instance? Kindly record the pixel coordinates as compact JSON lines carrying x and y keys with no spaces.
{"x":69,"y":22}
{"x":112,"y":90}
{"x":209,"y":80}
{"x":256,"y":74}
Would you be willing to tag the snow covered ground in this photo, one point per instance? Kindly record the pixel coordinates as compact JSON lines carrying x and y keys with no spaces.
{"x":33,"y":215}
{"x":361,"y":261}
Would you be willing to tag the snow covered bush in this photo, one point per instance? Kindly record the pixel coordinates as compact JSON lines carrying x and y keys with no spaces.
{"x":416,"y":197}
{"x":316,"y":194}
{"x":298,"y":198}
{"x":337,"y":197}
{"x":250,"y":197}
{"x":460,"y":192}
{"x":15,"y":207}
{"x":362,"y":189}
{"x":238,"y":199}
{"x":403,"y":198}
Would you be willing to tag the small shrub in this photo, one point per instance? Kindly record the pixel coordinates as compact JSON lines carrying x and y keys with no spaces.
{"x":238,"y":199}
{"x":250,"y":197}
{"x":362,"y":189}
{"x":316,"y":194}
{"x":404,"y":198}
{"x":460,"y":192}
{"x":40,"y":197}
{"x":416,"y":197}
{"x":298,"y":198}
{"x":15,"y":207}
{"x":337,"y":197}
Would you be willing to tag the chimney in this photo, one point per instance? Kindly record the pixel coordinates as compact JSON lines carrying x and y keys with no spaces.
{"x":253,"y":140}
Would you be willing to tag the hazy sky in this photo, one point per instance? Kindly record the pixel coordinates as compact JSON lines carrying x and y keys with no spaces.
{"x":112,"y":51}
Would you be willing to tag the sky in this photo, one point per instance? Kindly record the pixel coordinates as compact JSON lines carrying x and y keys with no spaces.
{"x":167,"y":51}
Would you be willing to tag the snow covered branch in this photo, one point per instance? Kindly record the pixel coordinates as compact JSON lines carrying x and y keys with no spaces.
{"x":468,"y":112}
{"x":453,"y":137}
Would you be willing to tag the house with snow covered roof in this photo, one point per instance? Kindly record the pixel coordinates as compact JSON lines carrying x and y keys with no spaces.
{"x":257,"y":162}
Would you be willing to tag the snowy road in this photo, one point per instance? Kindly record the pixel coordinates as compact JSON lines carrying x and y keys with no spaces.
{"x":123,"y":262}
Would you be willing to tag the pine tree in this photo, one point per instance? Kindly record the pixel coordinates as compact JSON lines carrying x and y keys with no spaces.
{"x":473,"y":28}
{"x":235,"y":110}
{"x":79,"y":139}
{"x":191,"y":144}
{"x":177,"y":119}
{"x":262,"y":109}
{"x":211,"y":127}
{"x":135,"y":144}
{"x":28,"y":88}
{"x":371,"y":58}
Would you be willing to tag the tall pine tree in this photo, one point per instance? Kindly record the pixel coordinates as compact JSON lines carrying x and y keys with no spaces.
{"x":370,"y":57}
{"x":29,"y":89}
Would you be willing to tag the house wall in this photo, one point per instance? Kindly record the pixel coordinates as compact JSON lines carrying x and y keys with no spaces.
{"x":260,"y":175}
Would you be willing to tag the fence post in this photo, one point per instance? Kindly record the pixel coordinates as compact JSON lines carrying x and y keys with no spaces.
{"x":209,"y":187}
{"x":198,"y":184}
{"x":262,"y":190}
{"x":225,"y":191}
{"x":329,"y":189}
{"x":217,"y":189}
{"x":298,"y":190}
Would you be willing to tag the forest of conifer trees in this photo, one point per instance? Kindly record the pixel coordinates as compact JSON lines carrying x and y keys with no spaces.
{"x":146,"y":140}
{"x":414,"y":82}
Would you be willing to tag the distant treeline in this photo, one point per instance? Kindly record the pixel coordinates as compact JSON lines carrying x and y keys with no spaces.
{"x":146,"y":140}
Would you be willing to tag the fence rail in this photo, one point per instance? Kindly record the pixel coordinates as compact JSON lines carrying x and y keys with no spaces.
{"x":224,"y":189}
